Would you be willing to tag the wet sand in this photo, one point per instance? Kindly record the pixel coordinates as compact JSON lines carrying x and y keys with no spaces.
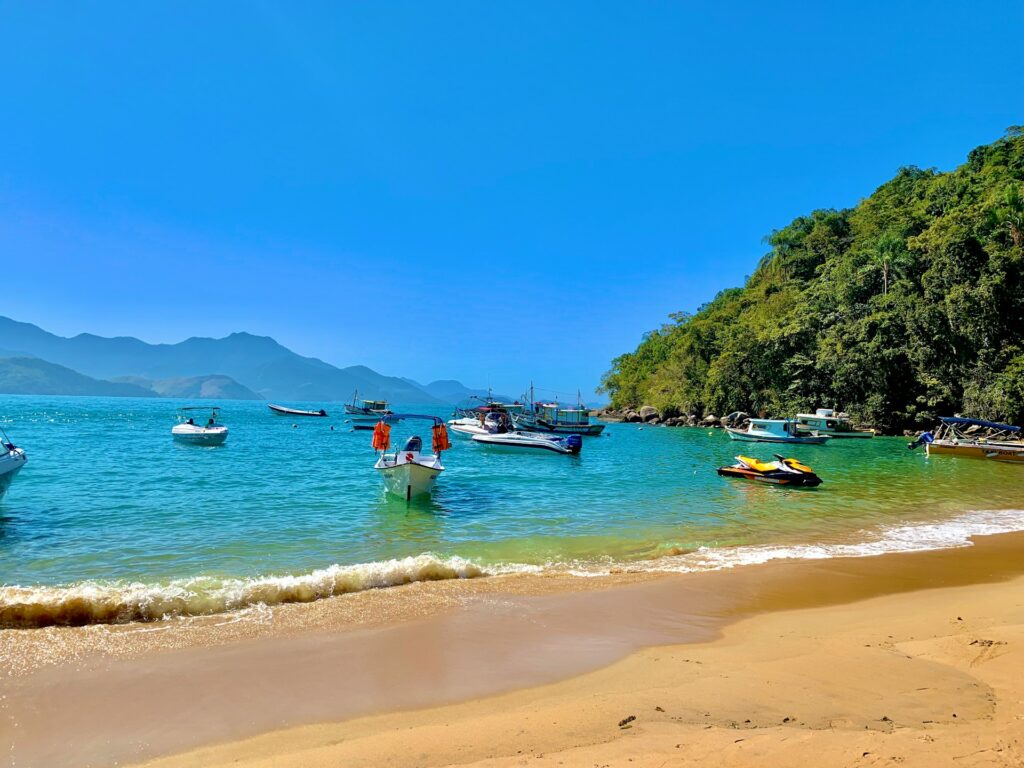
{"x":817,"y":661}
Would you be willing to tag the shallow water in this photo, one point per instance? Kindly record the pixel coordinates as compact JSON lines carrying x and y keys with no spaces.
{"x":110,"y":512}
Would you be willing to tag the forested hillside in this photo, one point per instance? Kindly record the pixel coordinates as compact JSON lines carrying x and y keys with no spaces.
{"x":907,"y":306}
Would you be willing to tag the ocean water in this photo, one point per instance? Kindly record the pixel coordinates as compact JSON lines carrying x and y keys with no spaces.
{"x":111,"y":520}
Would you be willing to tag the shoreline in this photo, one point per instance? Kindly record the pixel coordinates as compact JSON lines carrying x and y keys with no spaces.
{"x":512,"y":635}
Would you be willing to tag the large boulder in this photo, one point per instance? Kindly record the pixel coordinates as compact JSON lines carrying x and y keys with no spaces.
{"x":648,"y":412}
{"x":711,"y":421}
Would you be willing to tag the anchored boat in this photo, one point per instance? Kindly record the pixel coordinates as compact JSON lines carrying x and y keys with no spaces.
{"x":783,"y":471}
{"x":12,"y":459}
{"x":409,"y":472}
{"x":974,"y":439}
{"x":775,"y":431}
{"x":364,"y":414}
{"x":824,"y":421}
{"x":285,"y":411}
{"x":209,"y":433}
{"x":552,"y":417}
{"x":532,"y":441}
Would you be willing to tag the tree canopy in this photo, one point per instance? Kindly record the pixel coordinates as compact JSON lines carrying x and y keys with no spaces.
{"x":908,"y":306}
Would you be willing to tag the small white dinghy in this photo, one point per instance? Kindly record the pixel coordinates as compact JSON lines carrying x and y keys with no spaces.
{"x":480,"y":424}
{"x":12,"y":459}
{"x":409,"y":472}
{"x":188,"y":431}
{"x":532,"y":441}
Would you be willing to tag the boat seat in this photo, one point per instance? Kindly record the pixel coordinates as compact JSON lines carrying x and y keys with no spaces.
{"x":760,"y":466}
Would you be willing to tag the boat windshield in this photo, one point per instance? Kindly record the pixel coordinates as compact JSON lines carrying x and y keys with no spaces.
{"x":413,"y":444}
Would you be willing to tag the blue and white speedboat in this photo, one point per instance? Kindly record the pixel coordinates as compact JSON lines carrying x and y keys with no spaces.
{"x":775,"y":431}
{"x":519,"y":440}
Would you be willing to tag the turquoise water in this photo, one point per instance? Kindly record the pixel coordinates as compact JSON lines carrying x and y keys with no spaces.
{"x":109,"y":505}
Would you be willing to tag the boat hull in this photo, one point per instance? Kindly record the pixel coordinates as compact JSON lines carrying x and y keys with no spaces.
{"x":771,"y":478}
{"x":1011,"y":454}
{"x":587,"y":430}
{"x":199,"y":435}
{"x":11,"y":462}
{"x":409,"y":480}
{"x":748,"y":437}
{"x":283,"y":411}
{"x":539,"y":444}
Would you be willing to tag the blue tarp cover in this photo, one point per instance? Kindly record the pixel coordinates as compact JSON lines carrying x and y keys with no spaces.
{"x":977,"y":422}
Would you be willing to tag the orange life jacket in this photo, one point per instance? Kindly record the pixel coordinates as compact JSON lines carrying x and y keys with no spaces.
{"x":381,"y":436}
{"x":439,"y":440}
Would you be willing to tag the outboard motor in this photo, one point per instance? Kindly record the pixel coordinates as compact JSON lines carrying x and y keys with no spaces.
{"x":574,"y":443}
{"x":414,"y":444}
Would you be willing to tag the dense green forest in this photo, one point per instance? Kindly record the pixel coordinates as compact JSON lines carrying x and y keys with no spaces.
{"x":908,"y":306}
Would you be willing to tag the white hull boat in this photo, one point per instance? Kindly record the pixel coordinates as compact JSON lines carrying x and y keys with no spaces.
{"x":12,"y":459}
{"x":775,"y":431}
{"x":409,"y":472}
{"x":208,"y":433}
{"x":466,"y":427}
{"x":532,"y":441}
{"x":197,"y":435}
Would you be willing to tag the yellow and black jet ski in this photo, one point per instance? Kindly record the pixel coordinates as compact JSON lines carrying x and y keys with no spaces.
{"x":781,"y":472}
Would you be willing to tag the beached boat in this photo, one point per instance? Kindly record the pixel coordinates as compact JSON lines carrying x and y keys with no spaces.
{"x":285,"y":411}
{"x":12,"y":459}
{"x":552,"y":417}
{"x":824,"y":421}
{"x":535,"y":442}
{"x":783,"y":471}
{"x":365,"y":414}
{"x":209,"y":433}
{"x":775,"y":431}
{"x":409,"y":472}
{"x":974,"y":439}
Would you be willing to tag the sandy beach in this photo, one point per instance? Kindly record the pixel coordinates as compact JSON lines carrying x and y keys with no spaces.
{"x":901,"y":659}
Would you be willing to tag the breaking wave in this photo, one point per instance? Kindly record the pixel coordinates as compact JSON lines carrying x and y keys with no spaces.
{"x":118,"y":602}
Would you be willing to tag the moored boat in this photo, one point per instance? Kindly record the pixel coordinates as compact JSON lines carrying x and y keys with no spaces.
{"x":519,"y":440}
{"x":409,"y":472}
{"x":365,"y":414}
{"x":550,"y":416}
{"x":775,"y":431}
{"x":12,"y":459}
{"x":783,"y":471}
{"x":974,"y":439}
{"x":825,"y":421}
{"x":209,"y":433}
{"x":286,"y":411}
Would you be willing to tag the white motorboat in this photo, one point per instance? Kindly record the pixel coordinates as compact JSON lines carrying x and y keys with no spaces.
{"x":188,"y":431}
{"x":775,"y":431}
{"x":409,"y":472}
{"x":12,"y":459}
{"x":479,"y":422}
{"x":519,"y":440}
{"x":284,"y":410}
{"x":826,"y":421}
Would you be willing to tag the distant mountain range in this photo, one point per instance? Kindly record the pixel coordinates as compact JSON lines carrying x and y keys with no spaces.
{"x":239,"y":366}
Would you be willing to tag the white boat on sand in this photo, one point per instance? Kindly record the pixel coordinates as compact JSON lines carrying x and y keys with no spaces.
{"x":187,"y":430}
{"x":12,"y":459}
{"x":518,"y":440}
{"x":409,"y":472}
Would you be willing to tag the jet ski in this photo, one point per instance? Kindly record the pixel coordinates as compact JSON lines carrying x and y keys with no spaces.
{"x":781,"y":472}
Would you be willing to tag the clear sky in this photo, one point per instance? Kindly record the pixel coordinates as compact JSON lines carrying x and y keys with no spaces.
{"x":494,"y":192}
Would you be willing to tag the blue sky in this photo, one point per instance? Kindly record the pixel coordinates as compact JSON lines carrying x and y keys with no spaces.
{"x":490,"y":192}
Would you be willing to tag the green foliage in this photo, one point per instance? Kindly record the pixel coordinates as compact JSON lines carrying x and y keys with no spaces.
{"x":907,"y":306}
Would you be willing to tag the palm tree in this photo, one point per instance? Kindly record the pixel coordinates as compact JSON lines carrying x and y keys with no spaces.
{"x":890,"y":257}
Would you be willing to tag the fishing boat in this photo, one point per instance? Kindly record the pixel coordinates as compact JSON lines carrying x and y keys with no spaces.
{"x":409,"y":472}
{"x":12,"y":459}
{"x":365,"y":414}
{"x":536,"y":442}
{"x":974,"y":439}
{"x":775,"y":431}
{"x":209,"y":433}
{"x":825,"y":421}
{"x":552,"y":417}
{"x":285,"y":411}
{"x":783,"y":471}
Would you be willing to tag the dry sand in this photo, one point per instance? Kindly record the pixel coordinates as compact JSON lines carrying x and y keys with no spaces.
{"x":894,"y":660}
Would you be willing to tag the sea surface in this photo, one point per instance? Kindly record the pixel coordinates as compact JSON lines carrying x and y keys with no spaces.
{"x":111,"y":520}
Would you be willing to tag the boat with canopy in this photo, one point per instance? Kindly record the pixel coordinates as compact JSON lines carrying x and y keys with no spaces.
{"x":974,"y":439}
{"x":286,"y":411}
{"x":825,"y":421}
{"x":550,"y":416}
{"x":409,"y":472}
{"x":364,"y":414}
{"x":187,"y":430}
{"x":12,"y":459}
{"x":775,"y":431}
